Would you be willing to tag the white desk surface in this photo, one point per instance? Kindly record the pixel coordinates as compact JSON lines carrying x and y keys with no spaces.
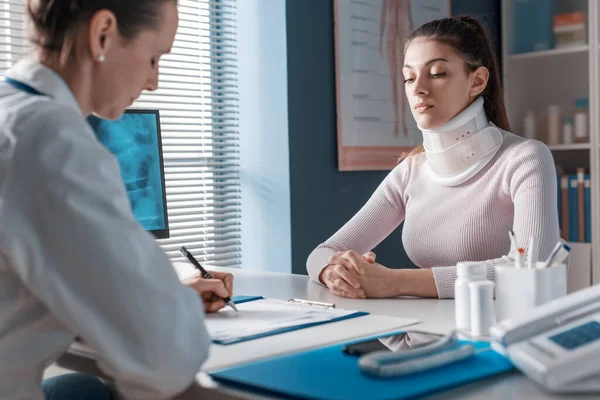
{"x":436,"y":316}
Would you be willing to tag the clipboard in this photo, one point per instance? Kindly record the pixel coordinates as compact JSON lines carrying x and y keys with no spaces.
{"x":329,"y":373}
{"x":311,"y":303}
{"x":245,"y":299}
{"x":277,"y":331}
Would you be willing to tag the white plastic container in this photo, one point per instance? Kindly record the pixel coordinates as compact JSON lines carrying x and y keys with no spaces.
{"x":582,"y":133}
{"x":568,"y":131}
{"x":554,"y":125}
{"x":467,"y":272}
{"x":482,"y":307}
{"x":529,"y":125}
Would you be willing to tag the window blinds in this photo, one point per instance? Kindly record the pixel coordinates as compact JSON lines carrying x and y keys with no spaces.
{"x":13,"y":43}
{"x":198,"y":103}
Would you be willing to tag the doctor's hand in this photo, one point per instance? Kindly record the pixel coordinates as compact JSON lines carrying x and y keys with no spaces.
{"x":342,"y":277}
{"x":213,"y":290}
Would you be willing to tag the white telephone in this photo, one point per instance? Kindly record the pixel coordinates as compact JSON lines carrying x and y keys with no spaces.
{"x":557,"y":344}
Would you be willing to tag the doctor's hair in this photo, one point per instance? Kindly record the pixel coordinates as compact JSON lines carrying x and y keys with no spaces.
{"x":53,"y":23}
{"x":469,"y":38}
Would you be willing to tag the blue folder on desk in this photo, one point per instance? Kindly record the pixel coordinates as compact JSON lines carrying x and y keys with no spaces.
{"x":328,"y":373}
{"x":245,"y":299}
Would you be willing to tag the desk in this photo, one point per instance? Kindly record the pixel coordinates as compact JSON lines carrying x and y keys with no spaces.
{"x":436,"y":316}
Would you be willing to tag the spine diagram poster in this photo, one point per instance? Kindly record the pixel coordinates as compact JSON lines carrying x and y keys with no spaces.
{"x":374,"y":121}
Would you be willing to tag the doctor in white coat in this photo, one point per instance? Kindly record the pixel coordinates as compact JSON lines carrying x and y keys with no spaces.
{"x":73,"y":260}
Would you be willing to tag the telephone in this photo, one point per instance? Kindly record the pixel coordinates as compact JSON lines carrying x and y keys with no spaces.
{"x":556,"y":344}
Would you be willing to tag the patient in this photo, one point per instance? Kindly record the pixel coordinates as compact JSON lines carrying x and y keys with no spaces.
{"x":461,"y":192}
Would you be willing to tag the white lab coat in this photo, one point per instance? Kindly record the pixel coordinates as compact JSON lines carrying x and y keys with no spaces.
{"x":73,"y":260}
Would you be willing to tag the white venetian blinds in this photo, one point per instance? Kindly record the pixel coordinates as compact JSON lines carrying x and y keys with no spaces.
{"x":13,"y":42}
{"x":197,"y":99}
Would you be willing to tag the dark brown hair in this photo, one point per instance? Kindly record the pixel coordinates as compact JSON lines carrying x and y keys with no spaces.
{"x":470,"y":40}
{"x":52,"y":22}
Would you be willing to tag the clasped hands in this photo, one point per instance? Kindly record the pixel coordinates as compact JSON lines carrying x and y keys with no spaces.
{"x":350,"y":274}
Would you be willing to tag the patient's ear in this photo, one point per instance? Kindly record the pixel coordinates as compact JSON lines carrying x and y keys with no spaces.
{"x":479,"y":81}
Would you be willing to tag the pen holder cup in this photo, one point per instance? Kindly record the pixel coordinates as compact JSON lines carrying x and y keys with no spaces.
{"x":518,"y":290}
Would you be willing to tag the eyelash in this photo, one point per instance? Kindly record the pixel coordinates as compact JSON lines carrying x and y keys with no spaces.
{"x":435,"y":76}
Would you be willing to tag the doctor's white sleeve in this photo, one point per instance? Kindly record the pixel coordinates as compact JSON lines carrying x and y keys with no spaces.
{"x":100,"y":273}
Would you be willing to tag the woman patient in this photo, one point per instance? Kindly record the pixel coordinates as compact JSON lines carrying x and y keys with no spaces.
{"x":461,"y":192}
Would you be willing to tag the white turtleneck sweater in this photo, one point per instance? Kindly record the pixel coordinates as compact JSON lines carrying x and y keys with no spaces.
{"x":468,"y":222}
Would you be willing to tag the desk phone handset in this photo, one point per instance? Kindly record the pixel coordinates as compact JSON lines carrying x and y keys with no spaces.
{"x":408,"y":352}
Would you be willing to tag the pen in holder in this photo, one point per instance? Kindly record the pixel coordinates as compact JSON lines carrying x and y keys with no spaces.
{"x":518,"y":290}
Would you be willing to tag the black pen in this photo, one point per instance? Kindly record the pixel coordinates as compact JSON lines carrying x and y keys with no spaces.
{"x":205,"y":274}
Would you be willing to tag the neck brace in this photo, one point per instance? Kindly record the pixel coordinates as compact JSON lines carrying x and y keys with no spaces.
{"x":459,"y":149}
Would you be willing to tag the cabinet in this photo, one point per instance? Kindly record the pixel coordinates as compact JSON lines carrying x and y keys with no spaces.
{"x":551,"y":61}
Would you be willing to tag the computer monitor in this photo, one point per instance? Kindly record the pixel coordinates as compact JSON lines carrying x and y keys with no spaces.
{"x":135,"y":140}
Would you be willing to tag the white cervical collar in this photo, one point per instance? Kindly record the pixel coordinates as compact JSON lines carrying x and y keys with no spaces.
{"x":459,"y":149}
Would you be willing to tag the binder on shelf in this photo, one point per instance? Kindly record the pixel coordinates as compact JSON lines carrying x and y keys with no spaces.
{"x":574,"y":202}
{"x":564,"y":192}
{"x":573,"y":209}
{"x":581,"y":217}
{"x":559,"y":205}
{"x":588,"y":209}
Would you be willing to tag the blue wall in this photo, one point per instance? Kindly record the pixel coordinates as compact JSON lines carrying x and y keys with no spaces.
{"x":322,"y":198}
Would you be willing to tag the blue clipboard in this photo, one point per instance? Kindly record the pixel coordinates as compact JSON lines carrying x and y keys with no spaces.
{"x":245,"y":299}
{"x":328,"y":373}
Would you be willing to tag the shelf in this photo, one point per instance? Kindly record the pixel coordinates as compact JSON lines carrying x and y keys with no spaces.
{"x":585,"y":246}
{"x":536,"y":79}
{"x":550,"y":53}
{"x":572,"y":146}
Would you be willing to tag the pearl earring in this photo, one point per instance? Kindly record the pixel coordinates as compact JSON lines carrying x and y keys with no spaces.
{"x":101,"y":58}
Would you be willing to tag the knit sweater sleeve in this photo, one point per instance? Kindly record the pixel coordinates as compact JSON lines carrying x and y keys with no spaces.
{"x":376,"y":220}
{"x":530,"y":179}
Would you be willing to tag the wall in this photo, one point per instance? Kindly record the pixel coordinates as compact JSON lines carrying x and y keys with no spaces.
{"x":322,"y":198}
{"x":486,"y":10}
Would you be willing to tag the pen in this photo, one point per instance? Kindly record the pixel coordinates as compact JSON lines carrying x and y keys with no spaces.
{"x":532,"y":253}
{"x":205,"y":274}
{"x":560,"y":256}
{"x":553,"y":252}
{"x":513,"y":241}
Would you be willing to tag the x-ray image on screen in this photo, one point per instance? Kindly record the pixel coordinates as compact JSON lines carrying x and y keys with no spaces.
{"x":134,"y":139}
